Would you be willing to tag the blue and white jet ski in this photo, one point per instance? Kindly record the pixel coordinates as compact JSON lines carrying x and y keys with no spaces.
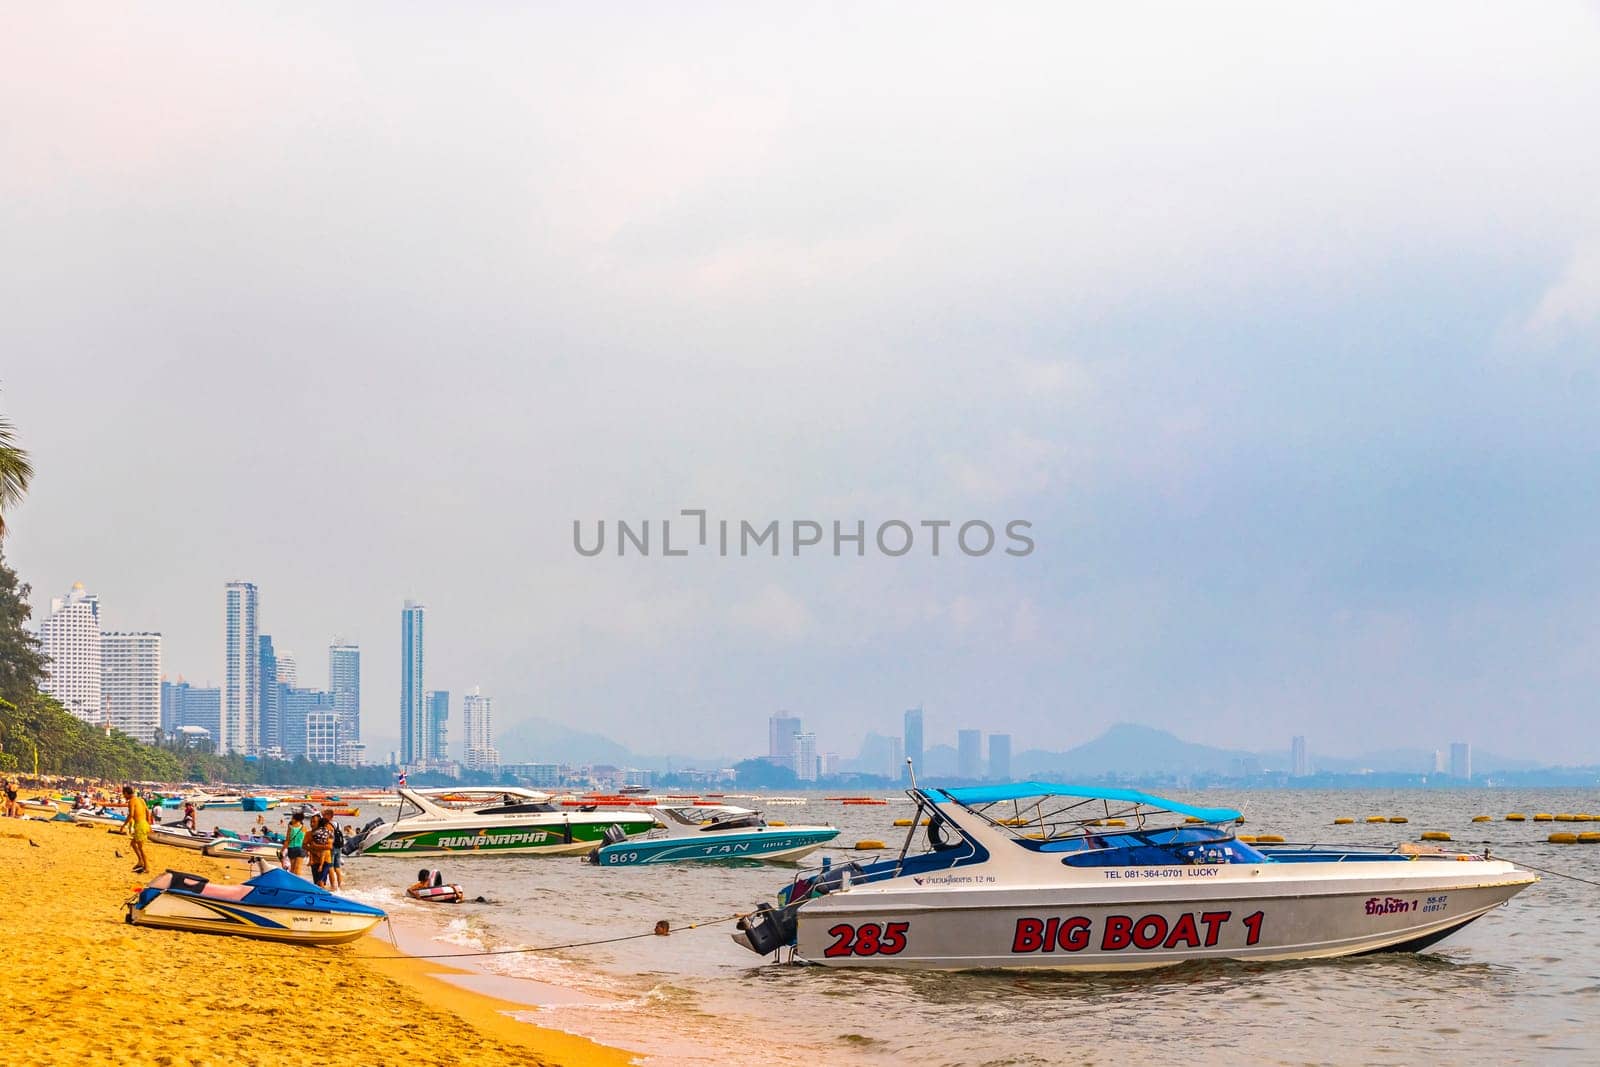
{"x":274,"y":906}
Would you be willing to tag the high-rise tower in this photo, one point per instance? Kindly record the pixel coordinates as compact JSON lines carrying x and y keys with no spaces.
{"x":344,"y":684}
{"x":913,"y":736}
{"x":130,"y":683}
{"x":477,"y":731}
{"x":413,"y":728}
{"x":70,"y":637}
{"x":241,"y":676}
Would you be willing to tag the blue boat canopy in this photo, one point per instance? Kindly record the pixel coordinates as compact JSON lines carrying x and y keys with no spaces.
{"x":991,"y":794}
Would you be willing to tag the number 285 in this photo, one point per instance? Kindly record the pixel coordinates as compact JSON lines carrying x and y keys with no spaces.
{"x":868,"y":939}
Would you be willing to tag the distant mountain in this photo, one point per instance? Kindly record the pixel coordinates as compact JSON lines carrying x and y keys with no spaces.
{"x":1124,"y":749}
{"x":1127,"y":748}
{"x":543,"y":741}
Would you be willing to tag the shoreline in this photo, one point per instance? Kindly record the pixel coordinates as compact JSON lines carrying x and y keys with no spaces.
{"x":85,"y":987}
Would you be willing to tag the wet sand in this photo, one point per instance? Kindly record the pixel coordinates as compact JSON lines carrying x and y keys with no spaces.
{"x":80,"y":986}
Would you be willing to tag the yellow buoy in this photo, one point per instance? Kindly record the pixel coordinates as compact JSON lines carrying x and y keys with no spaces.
{"x":1247,"y":839}
{"x":1544,"y":816}
{"x":1516,"y":816}
{"x":1480,"y":818}
{"x":1564,"y":817}
{"x":867,"y":845}
{"x":1563,"y":838}
{"x":1269,"y":839}
{"x":1192,"y":819}
{"x":1240,"y":820}
{"x":1398,"y":818}
{"x":1589,"y":837}
{"x":1376,"y":818}
{"x":1115,"y":822}
{"x":1015,"y":822}
{"x":1342,"y":821}
{"x":1435,"y":835}
{"x":902,"y":822}
{"x":776,"y":822}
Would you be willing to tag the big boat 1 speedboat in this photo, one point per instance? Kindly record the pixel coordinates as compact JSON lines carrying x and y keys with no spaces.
{"x":521,"y":823}
{"x":273,"y":906}
{"x":1039,"y":875}
{"x":710,"y":833}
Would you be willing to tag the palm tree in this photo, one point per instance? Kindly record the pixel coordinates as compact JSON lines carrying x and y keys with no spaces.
{"x":15,"y":471}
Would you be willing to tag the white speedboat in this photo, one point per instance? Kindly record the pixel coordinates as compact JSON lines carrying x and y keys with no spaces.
{"x":519,"y":823}
{"x":710,"y":833}
{"x":1037,"y":875}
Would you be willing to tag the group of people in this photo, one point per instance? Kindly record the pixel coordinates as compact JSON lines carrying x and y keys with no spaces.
{"x":321,"y":845}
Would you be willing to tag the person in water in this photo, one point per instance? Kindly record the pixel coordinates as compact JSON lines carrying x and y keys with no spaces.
{"x":424,"y":881}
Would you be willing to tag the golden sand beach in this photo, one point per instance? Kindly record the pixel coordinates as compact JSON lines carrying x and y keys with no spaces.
{"x":80,"y":987}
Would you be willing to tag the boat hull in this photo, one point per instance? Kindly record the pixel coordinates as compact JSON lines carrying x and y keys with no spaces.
{"x":231,"y":848}
{"x":177,"y":911}
{"x":547,"y":838}
{"x":1106,"y":927}
{"x":179,"y":839}
{"x":767,"y":845}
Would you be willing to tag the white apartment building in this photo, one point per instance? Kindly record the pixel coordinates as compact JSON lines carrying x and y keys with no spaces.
{"x":477,"y":731}
{"x":70,"y":637}
{"x":130,"y":683}
{"x":322,"y":736}
{"x":805,"y":757}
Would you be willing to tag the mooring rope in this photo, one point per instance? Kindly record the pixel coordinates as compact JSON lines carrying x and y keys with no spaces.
{"x":1545,"y":870}
{"x":655,"y":931}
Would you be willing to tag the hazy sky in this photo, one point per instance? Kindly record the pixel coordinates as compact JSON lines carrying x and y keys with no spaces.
{"x":1281,"y":324}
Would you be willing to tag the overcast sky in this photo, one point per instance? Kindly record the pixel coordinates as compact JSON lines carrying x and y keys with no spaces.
{"x":1281,"y":324}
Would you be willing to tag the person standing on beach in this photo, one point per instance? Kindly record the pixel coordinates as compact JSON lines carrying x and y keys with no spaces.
{"x":137,"y":826}
{"x":335,"y":873}
{"x":294,"y":843}
{"x":320,"y":848}
{"x":12,"y":810}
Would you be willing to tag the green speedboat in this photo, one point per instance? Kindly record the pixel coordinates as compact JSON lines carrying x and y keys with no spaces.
{"x":519,"y":825}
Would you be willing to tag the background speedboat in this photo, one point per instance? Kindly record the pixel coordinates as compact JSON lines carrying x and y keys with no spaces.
{"x":713,"y":832}
{"x":425,"y":827}
{"x":1039,"y":875}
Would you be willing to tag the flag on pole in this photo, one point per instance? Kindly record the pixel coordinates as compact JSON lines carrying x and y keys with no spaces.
{"x":402,"y":778}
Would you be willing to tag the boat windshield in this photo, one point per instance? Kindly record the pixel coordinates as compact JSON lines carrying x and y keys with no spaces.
{"x":408,"y":809}
{"x":1181,"y":845}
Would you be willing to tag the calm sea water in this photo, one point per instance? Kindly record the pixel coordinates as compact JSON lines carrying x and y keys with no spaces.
{"x":1521,"y":985}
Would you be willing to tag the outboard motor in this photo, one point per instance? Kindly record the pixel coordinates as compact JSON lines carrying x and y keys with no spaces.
{"x":768,"y":929}
{"x":353,"y":844}
{"x":611,"y":835}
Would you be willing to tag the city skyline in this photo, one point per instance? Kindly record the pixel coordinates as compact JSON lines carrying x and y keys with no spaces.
{"x":71,"y":627}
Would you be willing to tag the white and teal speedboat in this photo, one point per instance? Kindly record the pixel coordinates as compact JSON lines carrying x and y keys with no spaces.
{"x":708,"y":833}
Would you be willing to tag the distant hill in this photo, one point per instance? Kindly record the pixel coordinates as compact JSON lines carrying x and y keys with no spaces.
{"x":543,"y":741}
{"x":1127,"y":748}
{"x":1124,"y":749}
